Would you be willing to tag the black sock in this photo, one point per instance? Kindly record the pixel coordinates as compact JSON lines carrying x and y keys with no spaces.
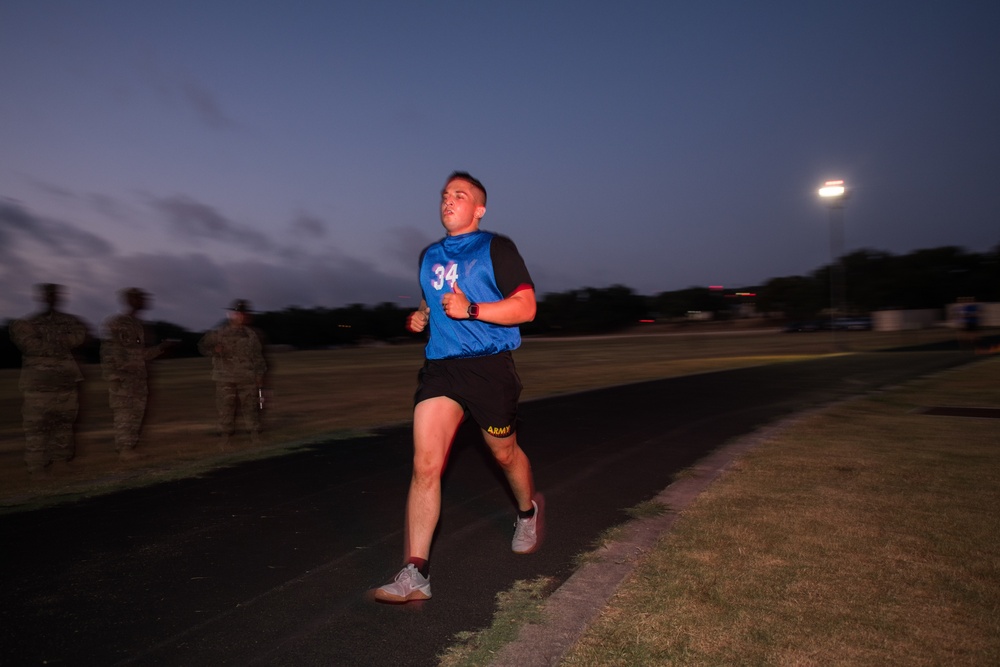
{"x":422,"y":564}
{"x":526,"y":514}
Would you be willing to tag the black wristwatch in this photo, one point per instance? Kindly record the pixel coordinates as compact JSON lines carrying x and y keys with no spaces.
{"x":473,"y":311}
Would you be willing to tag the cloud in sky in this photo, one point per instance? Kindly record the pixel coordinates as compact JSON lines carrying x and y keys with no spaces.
{"x":194,"y":220}
{"x":19,"y":226}
{"x":177,"y":85}
{"x":189,"y":288}
{"x":206,"y":105}
{"x":307,"y":226}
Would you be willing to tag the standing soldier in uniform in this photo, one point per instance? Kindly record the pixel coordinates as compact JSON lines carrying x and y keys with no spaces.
{"x":238,"y":368}
{"x":125,"y":363}
{"x":49,"y":379}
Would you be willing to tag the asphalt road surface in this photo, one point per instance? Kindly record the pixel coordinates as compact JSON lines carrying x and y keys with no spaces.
{"x":271,"y":562}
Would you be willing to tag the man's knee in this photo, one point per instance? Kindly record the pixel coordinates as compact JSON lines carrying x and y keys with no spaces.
{"x":427,"y":469}
{"x":505,"y":451}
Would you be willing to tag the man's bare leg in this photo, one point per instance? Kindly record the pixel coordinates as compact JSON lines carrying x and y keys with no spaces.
{"x":435,"y":422}
{"x":515,"y":465}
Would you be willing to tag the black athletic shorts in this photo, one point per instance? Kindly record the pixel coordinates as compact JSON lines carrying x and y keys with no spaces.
{"x":487,"y":388}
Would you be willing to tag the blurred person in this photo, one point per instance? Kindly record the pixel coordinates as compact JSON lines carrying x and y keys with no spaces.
{"x":125,"y":361}
{"x":238,"y":368}
{"x":968,"y":335}
{"x":50,"y":378}
{"x":476,"y":291}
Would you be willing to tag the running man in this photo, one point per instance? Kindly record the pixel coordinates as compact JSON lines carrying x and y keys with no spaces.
{"x":476,"y":291}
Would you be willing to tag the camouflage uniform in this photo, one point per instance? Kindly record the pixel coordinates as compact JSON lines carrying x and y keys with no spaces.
{"x":49,"y":378}
{"x":124,"y":361}
{"x":238,"y":368}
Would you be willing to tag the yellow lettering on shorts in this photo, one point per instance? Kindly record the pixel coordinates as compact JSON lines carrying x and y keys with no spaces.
{"x":499,"y":431}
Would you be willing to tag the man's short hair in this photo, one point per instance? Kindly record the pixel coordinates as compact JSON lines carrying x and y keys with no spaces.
{"x":469,"y":178}
{"x":130,"y":293}
{"x":48,"y":291}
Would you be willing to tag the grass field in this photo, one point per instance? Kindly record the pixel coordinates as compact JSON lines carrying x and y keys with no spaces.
{"x":323,"y":395}
{"x":865,"y":534}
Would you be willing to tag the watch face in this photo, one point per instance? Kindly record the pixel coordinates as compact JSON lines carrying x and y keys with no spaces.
{"x":473,"y":310}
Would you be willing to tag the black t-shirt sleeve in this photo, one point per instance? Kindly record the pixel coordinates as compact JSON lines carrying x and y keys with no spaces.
{"x":508,"y":266}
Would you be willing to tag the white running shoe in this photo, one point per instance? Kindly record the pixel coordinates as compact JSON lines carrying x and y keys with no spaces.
{"x":526,"y":533}
{"x":408,"y":585}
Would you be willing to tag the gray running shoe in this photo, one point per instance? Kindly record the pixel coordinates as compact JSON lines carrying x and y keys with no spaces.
{"x":526,"y":533}
{"x":408,"y":585}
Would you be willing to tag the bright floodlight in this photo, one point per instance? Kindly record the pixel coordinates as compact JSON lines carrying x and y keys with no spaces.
{"x":832,"y":189}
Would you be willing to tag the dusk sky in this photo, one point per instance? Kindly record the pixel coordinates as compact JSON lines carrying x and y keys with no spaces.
{"x":292,"y":153}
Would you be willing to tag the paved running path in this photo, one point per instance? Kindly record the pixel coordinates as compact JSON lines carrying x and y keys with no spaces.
{"x":269,"y":562}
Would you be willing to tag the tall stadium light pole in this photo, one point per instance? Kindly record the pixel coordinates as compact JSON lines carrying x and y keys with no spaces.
{"x":834,"y":193}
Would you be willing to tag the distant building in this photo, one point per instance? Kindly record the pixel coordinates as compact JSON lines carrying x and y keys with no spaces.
{"x":953,"y":315}
{"x":906,"y":320}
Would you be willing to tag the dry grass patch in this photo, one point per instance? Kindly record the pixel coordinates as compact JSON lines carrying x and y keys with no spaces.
{"x":596,"y":553}
{"x":521,"y":604}
{"x":866,"y":534}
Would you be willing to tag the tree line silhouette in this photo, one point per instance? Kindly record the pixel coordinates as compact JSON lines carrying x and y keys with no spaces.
{"x":875,"y":280}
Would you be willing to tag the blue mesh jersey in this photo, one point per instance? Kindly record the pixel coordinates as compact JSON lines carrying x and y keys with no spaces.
{"x":488,"y":268}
